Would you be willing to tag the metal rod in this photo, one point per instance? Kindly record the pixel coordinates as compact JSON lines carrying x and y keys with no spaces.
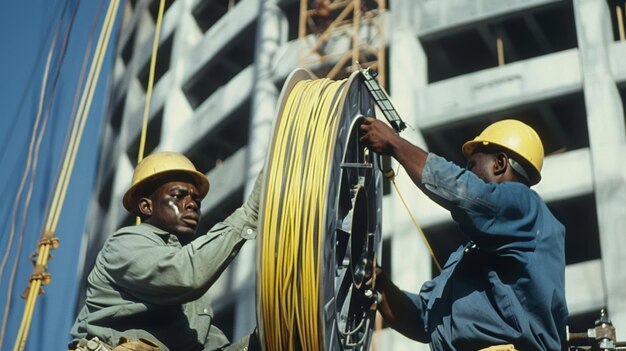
{"x":302,"y":30}
{"x":356,"y":44}
{"x":500,"y":48}
{"x":382,"y":54}
{"x":620,"y":22}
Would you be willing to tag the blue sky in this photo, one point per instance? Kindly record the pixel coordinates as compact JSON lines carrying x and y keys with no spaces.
{"x":26,"y":31}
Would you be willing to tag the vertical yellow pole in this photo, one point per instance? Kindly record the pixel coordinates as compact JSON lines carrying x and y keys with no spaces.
{"x":146,"y":107}
{"x":382,"y":52}
{"x":302,"y":31}
{"x":620,"y":22}
{"x":356,"y":21}
{"x":500,"y":48}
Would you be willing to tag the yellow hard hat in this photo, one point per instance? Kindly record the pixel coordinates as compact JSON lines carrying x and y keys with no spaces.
{"x":514,"y":136}
{"x":156,"y":166}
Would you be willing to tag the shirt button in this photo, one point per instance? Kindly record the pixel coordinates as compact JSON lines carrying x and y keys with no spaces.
{"x":205,"y":311}
{"x":249,"y":231}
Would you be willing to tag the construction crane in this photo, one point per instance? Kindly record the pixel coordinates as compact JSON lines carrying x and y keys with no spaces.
{"x":335,"y":35}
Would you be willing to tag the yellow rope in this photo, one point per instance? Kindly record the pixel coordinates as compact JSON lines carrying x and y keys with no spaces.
{"x":36,"y":134}
{"x":83,"y":113}
{"x":146,"y":107}
{"x":391,"y":175}
{"x":294,"y":216}
{"x":48,"y":241}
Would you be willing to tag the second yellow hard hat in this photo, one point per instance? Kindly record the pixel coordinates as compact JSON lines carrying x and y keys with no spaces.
{"x":514,"y":136}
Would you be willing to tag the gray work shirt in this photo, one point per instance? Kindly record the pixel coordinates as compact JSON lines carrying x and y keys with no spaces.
{"x":145,"y":284}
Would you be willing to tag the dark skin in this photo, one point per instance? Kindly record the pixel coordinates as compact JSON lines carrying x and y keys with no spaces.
{"x":490,"y":165}
{"x":173,"y":206}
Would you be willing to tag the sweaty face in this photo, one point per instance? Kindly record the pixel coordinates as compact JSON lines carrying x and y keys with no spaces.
{"x":176,"y":208}
{"x":481,"y":164}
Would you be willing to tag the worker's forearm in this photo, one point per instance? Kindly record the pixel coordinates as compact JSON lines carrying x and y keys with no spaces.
{"x":382,"y":139}
{"x":411,"y":157}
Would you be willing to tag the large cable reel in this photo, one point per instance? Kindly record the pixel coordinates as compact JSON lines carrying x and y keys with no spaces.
{"x":319,"y":220}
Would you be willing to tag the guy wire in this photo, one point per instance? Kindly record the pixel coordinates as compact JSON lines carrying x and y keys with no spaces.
{"x":294,"y":218}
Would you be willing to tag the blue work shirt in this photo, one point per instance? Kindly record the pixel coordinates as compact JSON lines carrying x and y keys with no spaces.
{"x":507,"y":284}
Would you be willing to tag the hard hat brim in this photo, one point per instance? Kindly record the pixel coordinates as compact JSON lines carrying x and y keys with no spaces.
{"x":134,"y":193}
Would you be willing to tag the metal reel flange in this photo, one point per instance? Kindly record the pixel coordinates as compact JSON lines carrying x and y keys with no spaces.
{"x":353,"y":236}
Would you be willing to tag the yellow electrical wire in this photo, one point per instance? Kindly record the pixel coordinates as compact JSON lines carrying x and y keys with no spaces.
{"x":391,"y":175}
{"x":146,"y":107}
{"x":48,"y":241}
{"x":293,"y":224}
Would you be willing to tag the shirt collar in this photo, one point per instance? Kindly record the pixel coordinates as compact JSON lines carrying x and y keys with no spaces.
{"x":168,"y":237}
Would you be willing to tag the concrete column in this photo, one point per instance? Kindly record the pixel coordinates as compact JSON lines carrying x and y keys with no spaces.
{"x":411,"y":264}
{"x":607,"y":139}
{"x":176,"y":108}
{"x":406,"y":73}
{"x":271,"y":33}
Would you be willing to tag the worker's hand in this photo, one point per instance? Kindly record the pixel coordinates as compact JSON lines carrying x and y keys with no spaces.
{"x":378,"y":136}
{"x":380,"y":279}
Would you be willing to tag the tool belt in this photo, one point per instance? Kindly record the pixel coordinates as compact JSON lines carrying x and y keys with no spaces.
{"x":507,"y":347}
{"x":124,"y":344}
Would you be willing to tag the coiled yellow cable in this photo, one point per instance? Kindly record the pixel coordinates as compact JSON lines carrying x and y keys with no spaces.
{"x":294,"y":214}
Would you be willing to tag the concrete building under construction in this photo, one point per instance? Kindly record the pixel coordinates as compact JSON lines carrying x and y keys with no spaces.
{"x":451,"y":67}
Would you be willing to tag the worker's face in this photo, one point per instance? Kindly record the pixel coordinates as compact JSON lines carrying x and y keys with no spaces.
{"x":176,"y":207}
{"x":482,"y":164}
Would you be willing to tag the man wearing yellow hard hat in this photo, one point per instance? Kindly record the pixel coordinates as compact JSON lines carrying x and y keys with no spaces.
{"x":149,"y":287}
{"x":503,"y":289}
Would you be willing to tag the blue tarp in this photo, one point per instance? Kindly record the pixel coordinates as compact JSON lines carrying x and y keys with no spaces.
{"x":28,"y":29}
